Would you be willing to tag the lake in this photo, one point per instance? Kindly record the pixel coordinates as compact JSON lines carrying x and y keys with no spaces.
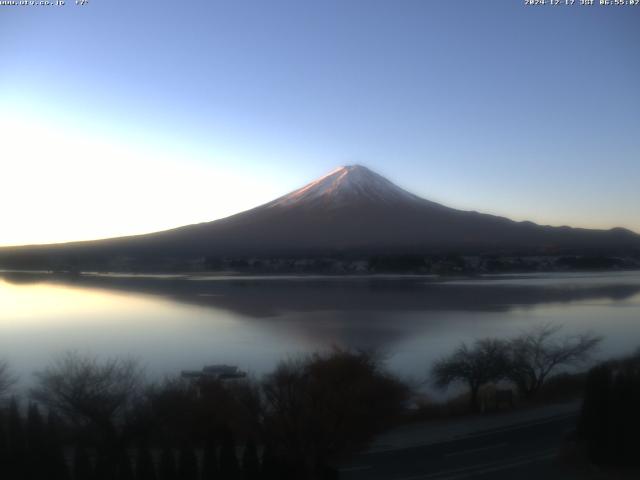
{"x":175,"y":322}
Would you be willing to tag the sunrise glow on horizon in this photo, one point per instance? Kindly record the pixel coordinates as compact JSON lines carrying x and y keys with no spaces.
{"x":68,"y":186}
{"x":199,"y":113}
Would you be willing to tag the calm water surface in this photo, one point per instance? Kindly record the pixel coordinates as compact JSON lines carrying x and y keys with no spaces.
{"x":173,"y":322}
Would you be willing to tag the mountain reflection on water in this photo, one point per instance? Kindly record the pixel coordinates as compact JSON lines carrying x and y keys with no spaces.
{"x":261,"y":297}
{"x":173,"y":322}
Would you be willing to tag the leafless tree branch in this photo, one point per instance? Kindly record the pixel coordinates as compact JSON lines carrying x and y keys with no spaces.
{"x":535,"y":354}
{"x":86,"y":390}
{"x":6,"y":379}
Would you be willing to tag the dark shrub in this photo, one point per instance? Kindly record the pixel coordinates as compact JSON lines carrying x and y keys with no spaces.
{"x":610,"y":418}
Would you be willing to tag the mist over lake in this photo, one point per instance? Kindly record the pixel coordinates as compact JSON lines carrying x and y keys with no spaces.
{"x":177,"y":322}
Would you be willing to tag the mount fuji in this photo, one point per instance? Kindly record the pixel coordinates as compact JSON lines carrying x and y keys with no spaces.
{"x":351,"y":210}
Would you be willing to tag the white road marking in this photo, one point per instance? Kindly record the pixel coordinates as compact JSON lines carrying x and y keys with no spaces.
{"x":470,"y":471}
{"x":481,"y":433}
{"x":474,"y":450}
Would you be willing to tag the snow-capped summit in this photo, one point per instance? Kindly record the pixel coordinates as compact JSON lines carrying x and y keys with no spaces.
{"x":347,"y":184}
{"x":350,"y":210}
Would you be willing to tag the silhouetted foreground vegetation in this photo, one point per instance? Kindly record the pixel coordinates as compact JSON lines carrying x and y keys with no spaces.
{"x":610,"y":419}
{"x":103,"y":421}
{"x":297,"y":423}
{"x":6,"y":381}
{"x":525,"y":361}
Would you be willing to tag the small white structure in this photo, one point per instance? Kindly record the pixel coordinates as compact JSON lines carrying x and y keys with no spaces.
{"x":214,"y":372}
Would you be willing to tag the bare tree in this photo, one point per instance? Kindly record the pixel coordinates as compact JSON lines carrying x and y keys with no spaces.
{"x":537,"y":353}
{"x":485,"y":361}
{"x":89,"y":392}
{"x":6,"y":379}
{"x":322,"y":407}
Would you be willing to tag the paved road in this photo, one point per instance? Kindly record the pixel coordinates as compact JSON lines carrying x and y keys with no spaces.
{"x":520,"y":452}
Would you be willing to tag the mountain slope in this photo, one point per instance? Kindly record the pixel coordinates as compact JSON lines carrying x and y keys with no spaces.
{"x":353,"y":210}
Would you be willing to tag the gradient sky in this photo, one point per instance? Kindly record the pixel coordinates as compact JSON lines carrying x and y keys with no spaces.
{"x":125,"y":117}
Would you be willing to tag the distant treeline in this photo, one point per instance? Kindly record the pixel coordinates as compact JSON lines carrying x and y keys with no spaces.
{"x":339,"y":263}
